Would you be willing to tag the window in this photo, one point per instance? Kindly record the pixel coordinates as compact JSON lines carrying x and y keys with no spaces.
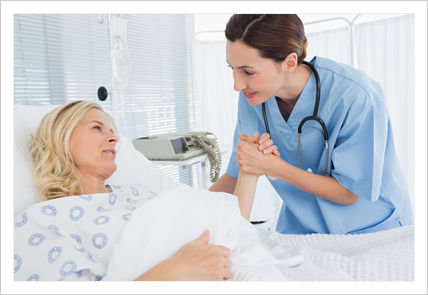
{"x":60,"y":58}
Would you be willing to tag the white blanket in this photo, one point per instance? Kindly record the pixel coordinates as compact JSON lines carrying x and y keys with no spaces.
{"x":380,"y":256}
{"x":181,"y":215}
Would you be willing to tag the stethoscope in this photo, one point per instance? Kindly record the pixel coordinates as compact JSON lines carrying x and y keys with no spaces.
{"x":314,"y":117}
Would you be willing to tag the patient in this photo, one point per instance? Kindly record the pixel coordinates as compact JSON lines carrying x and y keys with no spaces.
{"x":74,"y":153}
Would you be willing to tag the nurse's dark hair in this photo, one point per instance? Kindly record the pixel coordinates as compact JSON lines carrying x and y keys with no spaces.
{"x":275,"y":36}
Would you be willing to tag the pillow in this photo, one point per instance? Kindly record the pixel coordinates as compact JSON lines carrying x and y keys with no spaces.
{"x":132,"y":167}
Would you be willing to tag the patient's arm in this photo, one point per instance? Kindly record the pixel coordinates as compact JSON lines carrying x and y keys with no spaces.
{"x":246,"y":184}
{"x":227,"y":183}
{"x":243,"y":187}
{"x":245,"y":190}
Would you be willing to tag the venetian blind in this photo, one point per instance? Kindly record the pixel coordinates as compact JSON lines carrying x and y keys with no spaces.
{"x":59,"y":58}
{"x":159,"y":99}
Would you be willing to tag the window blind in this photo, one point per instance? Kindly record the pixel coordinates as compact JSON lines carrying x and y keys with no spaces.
{"x":160,"y":95}
{"x":59,"y":58}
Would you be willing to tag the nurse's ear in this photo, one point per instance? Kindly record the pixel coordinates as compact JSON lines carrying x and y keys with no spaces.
{"x":290,"y":63}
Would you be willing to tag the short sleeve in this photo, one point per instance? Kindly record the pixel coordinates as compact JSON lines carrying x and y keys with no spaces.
{"x":248,"y":124}
{"x":359,"y":152}
{"x":233,"y":170}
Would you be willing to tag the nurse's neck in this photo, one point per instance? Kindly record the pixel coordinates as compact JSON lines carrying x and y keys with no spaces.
{"x":294,"y":84}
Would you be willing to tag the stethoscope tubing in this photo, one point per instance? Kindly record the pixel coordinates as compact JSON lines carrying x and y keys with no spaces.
{"x":314,"y":117}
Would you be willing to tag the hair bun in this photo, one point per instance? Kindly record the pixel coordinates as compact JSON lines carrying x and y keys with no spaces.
{"x":304,"y":47}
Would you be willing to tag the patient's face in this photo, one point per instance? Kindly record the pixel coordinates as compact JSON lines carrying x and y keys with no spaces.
{"x":92,"y":145}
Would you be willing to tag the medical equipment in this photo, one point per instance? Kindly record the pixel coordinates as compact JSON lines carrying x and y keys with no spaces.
{"x":179,"y":147}
{"x":314,"y":117}
{"x":170,"y":146}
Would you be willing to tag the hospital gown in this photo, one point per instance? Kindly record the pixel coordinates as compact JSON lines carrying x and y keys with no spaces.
{"x":362,"y":156}
{"x":72,"y":238}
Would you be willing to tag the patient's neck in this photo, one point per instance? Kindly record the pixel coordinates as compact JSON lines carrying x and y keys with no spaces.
{"x":93,"y":188}
{"x":91,"y":184}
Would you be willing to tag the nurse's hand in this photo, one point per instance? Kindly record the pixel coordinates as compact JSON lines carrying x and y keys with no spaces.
{"x":265,"y":143}
{"x":250,"y":159}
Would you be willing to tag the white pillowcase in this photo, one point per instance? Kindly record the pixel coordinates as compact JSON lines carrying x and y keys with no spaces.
{"x":132,"y":167}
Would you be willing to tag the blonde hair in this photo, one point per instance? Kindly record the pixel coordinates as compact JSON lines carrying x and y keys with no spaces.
{"x":54,"y":172}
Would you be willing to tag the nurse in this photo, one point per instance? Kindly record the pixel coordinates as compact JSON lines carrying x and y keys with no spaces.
{"x":363,"y":189}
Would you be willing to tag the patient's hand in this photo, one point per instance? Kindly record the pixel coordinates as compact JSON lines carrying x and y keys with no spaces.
{"x":201,"y":261}
{"x":265,"y":143}
{"x":195,"y":261}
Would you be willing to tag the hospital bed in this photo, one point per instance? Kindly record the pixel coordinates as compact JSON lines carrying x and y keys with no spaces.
{"x":387,"y":255}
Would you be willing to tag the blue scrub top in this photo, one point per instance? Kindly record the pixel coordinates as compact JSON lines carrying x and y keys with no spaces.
{"x":362,"y":156}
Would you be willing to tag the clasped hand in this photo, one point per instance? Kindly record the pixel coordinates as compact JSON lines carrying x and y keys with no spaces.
{"x":255,"y":154}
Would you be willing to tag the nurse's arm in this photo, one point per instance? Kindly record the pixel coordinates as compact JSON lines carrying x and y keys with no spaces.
{"x":326,"y":187}
{"x":225,"y":184}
